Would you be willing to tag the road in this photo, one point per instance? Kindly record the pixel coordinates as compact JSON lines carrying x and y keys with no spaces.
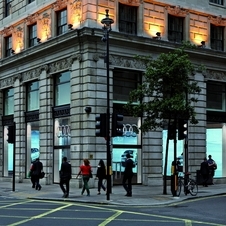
{"x":195,"y":212}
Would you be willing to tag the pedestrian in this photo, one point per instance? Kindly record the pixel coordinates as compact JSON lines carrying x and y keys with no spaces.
{"x":204,"y":170}
{"x":65,"y":177}
{"x":212,"y":167}
{"x":86,"y":172}
{"x":128,"y":175}
{"x":101,"y":175}
{"x":32,"y":175}
{"x":37,"y":171}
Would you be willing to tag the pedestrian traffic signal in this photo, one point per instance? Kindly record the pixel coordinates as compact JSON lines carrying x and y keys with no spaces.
{"x":182,"y":129}
{"x":11,"y":134}
{"x":101,"y":125}
{"x":117,"y":126}
{"x":171,"y":132}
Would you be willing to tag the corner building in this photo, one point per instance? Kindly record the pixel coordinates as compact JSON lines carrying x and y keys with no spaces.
{"x":52,"y":67}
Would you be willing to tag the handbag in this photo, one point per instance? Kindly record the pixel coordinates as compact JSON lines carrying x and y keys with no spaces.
{"x":42,"y":175}
{"x":90,"y":174}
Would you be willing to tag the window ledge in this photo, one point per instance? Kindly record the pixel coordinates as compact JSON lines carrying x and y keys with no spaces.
{"x":218,"y":5}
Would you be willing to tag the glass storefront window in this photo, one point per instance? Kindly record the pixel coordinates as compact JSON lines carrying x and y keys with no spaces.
{"x":130,"y":135}
{"x":8,"y":154}
{"x":62,"y":132}
{"x":9,"y":101}
{"x":62,"y":89}
{"x":180,"y":149}
{"x":33,"y":142}
{"x":215,"y":147}
{"x":33,"y":96}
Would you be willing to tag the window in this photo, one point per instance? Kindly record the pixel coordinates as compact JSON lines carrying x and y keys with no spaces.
{"x":9,"y":101}
{"x":30,"y":1}
{"x":62,"y":22}
{"x":175,"y":28}
{"x":220,"y":2}
{"x":62,"y":89}
{"x":8,"y":46}
{"x":32,"y":35}
{"x":216,"y":96}
{"x":128,"y":19}
{"x":7,"y":7}
{"x":33,"y":96}
{"x":123,"y":83}
{"x":217,"y":37}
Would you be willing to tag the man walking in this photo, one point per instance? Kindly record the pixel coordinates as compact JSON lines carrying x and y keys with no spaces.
{"x":37,"y":169}
{"x":128,"y":175}
{"x":204,"y":170}
{"x":65,"y":176}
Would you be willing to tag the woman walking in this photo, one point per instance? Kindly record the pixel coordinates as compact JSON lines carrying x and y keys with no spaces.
{"x":85,"y":171}
{"x":101,"y":175}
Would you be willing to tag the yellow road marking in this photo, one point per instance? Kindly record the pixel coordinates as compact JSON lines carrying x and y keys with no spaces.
{"x":40,"y":215}
{"x":188,"y":223}
{"x":109,"y":219}
{"x":13,"y":204}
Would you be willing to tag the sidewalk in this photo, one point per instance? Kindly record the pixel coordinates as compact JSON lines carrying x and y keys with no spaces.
{"x":142,"y":195}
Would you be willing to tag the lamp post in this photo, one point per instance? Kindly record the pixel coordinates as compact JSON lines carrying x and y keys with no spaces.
{"x":107,"y":22}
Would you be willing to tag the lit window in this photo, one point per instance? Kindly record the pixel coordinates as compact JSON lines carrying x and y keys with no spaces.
{"x":32,"y":35}
{"x":128,"y":19}
{"x":217,"y":37}
{"x":62,"y":26}
{"x":175,"y":28}
{"x":8,"y":46}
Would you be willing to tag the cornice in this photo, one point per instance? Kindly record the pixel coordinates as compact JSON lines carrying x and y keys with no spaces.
{"x":177,"y":11}
{"x":59,"y":4}
{"x":217,"y":20}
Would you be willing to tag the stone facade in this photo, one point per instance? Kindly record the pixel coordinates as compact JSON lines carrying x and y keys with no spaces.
{"x":81,"y":51}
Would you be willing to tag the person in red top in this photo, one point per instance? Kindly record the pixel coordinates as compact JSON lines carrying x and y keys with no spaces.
{"x":85,"y":170}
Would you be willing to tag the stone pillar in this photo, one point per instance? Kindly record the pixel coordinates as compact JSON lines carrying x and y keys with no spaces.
{"x":152,"y":158}
{"x":46,"y":124}
{"x":1,"y":134}
{"x":76,"y":118}
{"x":197,"y":133}
{"x":19,"y":119}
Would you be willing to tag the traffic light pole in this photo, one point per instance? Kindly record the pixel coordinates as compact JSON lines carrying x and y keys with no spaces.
{"x":108,"y":121}
{"x":14,"y":158}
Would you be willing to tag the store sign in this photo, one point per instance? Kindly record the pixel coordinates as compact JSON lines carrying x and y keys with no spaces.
{"x":130,"y":130}
{"x":64,"y":131}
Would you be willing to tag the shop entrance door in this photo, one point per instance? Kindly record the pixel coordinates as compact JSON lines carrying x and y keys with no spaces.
{"x":58,"y":155}
{"x":118,"y":164}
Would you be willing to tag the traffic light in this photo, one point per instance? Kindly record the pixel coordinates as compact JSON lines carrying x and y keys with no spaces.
{"x":182,"y":129}
{"x":11,"y":134}
{"x":117,"y":126}
{"x":171,"y":132}
{"x":101,"y":125}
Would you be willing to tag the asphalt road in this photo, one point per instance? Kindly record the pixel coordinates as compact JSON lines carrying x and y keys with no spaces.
{"x":195,"y":212}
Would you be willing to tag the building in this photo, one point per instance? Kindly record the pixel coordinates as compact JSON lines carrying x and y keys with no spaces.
{"x":53,"y":81}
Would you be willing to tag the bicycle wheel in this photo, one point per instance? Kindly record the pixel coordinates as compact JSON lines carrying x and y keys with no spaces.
{"x":193,"y":187}
{"x":179,"y":185}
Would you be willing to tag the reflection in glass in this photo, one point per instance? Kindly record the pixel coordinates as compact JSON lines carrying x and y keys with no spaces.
{"x":9,"y":102}
{"x":33,"y":96}
{"x":62,"y":132}
{"x":62,"y":89}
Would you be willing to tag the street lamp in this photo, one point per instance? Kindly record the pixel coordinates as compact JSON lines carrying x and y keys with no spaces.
{"x":107,"y":22}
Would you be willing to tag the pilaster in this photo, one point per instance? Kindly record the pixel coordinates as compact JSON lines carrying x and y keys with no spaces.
{"x":46,"y":123}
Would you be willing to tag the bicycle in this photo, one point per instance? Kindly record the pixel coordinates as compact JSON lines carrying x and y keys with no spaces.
{"x":191,"y":186}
